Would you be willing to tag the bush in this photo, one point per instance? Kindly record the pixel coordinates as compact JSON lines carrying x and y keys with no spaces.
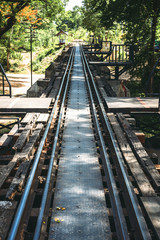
{"x":137,"y":89}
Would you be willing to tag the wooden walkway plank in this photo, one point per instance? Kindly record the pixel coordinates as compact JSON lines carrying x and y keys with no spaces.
{"x":55,"y":88}
{"x":5,"y":159}
{"x":26,"y":133}
{"x":141,"y":179}
{"x":27,"y":153}
{"x":27,"y":118}
{"x":43,"y":118}
{"x":13,"y":131}
{"x":7,"y":210}
{"x":5,"y":140}
{"x":18,"y":157}
{"x":152,"y":207}
{"x":140,"y":152}
{"x":6,"y":170}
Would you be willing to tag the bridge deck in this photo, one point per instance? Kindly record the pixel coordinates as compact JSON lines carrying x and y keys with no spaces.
{"x":112,"y":63}
{"x":125,"y":104}
{"x":25,"y":104}
{"x":79,"y":185}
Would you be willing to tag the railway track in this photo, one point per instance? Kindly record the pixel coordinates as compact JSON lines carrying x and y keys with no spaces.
{"x":129,"y":194}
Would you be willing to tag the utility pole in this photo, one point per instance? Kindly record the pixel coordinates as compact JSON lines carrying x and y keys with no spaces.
{"x":31,"y":32}
{"x":32,"y":35}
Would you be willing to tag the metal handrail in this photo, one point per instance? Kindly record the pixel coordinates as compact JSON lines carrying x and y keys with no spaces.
{"x":121,"y":53}
{"x":2,"y":126}
{"x":22,"y":204}
{"x":10,"y":87}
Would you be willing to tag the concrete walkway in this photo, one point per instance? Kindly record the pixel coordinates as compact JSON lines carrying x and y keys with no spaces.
{"x":79,"y":208}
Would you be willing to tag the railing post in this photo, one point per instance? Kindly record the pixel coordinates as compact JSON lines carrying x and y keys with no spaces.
{"x":3,"y":85}
{"x":131,"y":54}
{"x":116,"y":73}
{"x":5,"y":76}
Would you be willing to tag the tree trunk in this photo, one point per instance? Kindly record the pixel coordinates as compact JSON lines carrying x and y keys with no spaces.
{"x":9,"y":48}
{"x":12,"y":20}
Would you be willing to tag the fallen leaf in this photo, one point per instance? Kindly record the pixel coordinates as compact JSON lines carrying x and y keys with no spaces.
{"x":57,"y":220}
{"x":41,"y":179}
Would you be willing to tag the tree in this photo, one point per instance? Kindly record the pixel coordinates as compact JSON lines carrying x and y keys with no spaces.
{"x":92,"y":17}
{"x":139,"y":19}
{"x":70,"y":20}
{"x":9,"y":10}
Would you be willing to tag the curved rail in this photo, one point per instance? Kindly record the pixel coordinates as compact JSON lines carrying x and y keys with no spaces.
{"x":139,"y":222}
{"x":22,"y":204}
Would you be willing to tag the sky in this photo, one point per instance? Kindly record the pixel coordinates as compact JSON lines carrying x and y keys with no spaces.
{"x":73,"y":3}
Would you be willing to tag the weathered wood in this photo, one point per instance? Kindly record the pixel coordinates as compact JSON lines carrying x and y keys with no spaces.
{"x":22,"y":140}
{"x":56,"y":86}
{"x":5,"y":140}
{"x":158,"y":167}
{"x":27,"y":153}
{"x":28,"y":117}
{"x":140,"y":152}
{"x":13,"y":131}
{"x":101,"y":86}
{"x":108,"y":88}
{"x":152,"y":207}
{"x":43,"y":118}
{"x":132,"y":121}
{"x":50,"y":86}
{"x":7,"y":210}
{"x":6,"y":170}
{"x":141,"y":136}
{"x":46,"y":92}
{"x":4,"y":159}
{"x":143,"y":184}
{"x":18,"y":181}
{"x":25,"y":133}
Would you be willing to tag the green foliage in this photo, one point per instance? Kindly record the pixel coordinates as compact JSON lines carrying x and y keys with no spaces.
{"x":16,"y":55}
{"x":137,"y":89}
{"x":43,"y":59}
{"x":149,"y":124}
{"x":70,"y":20}
{"x":3,"y":56}
{"x":139,"y":21}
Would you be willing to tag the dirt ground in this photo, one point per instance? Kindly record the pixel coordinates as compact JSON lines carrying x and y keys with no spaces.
{"x":21,"y":83}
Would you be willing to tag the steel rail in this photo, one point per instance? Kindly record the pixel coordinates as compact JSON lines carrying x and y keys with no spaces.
{"x":121,"y":226}
{"x":45,"y":193}
{"x":22,"y":204}
{"x":143,"y":232}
